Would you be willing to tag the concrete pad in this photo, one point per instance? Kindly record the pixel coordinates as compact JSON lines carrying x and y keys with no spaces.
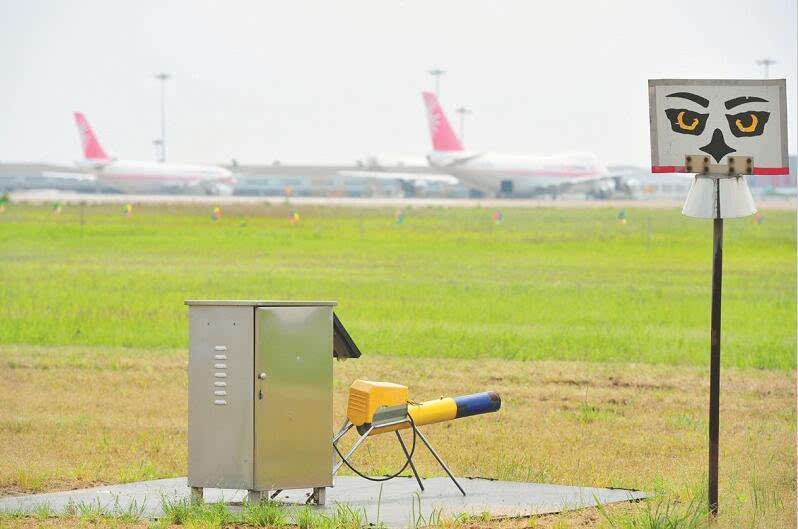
{"x":400,"y":498}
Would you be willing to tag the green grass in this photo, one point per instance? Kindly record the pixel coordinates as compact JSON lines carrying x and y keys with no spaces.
{"x":565,"y":284}
{"x":261,"y":514}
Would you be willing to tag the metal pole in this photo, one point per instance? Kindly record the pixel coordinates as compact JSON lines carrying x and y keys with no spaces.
{"x":352,"y":450}
{"x":163,"y":78}
{"x":163,"y":120}
{"x":409,"y":460}
{"x":437,"y":72}
{"x":437,"y":457}
{"x":714,"y":366}
{"x":765,"y":64}
{"x":462,"y":111}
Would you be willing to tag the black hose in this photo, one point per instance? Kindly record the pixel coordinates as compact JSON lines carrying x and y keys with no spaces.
{"x":386,"y":478}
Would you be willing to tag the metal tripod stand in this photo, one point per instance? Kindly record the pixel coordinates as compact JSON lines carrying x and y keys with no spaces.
{"x":348,"y":426}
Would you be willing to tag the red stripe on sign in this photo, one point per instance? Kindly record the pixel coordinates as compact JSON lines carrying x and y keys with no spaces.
{"x":667,"y":169}
{"x":771,"y":170}
{"x":757,"y":170}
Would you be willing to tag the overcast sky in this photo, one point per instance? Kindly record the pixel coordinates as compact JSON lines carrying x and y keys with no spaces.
{"x":334,"y":81}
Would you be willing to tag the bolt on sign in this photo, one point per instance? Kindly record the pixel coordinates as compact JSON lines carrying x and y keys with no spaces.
{"x":718,"y":126}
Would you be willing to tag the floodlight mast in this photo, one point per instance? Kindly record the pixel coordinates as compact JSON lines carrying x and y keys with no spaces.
{"x":436,"y":73}
{"x":161,"y":142}
{"x":765,"y":63}
{"x":463,"y":111}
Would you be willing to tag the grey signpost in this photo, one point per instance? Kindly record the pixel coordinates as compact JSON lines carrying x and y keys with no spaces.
{"x":716,"y":131}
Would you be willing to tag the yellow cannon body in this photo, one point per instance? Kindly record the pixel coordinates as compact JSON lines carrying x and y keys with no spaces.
{"x":385,"y":406}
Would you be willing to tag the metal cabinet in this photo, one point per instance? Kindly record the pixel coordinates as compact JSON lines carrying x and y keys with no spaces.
{"x":260,"y":395}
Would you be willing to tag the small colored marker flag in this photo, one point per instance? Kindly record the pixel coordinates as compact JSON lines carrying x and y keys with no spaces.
{"x":498,"y":217}
{"x":399,"y":217}
{"x":622,"y":216}
{"x":759,"y":217}
{"x":217,"y":213}
{"x":57,"y":207}
{"x":127,"y":210}
{"x":3,"y":201}
{"x":293,"y":216}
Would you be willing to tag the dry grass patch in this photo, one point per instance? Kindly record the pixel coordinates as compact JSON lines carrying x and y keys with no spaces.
{"x":73,"y":417}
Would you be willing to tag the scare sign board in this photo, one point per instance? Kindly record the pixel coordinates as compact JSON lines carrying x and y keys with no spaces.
{"x":715,"y":119}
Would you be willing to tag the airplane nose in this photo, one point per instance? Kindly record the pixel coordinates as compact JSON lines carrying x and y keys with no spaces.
{"x":717,"y":147}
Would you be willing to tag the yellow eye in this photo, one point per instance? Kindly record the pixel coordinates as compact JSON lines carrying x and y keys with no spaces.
{"x":685,"y":126}
{"x":749,"y":128}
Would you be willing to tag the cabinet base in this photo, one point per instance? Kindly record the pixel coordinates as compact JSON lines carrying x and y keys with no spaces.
{"x":196,"y":494}
{"x":318,"y":496}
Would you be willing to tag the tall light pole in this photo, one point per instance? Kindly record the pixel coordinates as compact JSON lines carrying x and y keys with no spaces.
{"x":765,"y":64}
{"x":162,"y":77}
{"x":463,"y":111}
{"x":436,"y":73}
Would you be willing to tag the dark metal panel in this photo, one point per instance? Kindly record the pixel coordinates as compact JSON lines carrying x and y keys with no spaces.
{"x":343,"y":344}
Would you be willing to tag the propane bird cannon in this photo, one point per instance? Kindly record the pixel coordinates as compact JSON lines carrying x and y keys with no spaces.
{"x":375,"y":408}
{"x":260,"y":401}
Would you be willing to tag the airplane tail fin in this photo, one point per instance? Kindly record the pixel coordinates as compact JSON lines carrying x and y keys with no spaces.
{"x":91,"y":147}
{"x":443,"y":136}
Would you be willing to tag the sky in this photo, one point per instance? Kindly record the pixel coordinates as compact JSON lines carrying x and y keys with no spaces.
{"x":324,"y":81}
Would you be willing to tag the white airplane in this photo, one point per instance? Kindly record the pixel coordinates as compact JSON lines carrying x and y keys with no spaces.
{"x":496,"y":174}
{"x":144,"y":177}
{"x":131,"y":176}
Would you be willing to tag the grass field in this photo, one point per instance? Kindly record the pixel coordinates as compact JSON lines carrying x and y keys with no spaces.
{"x":80,"y":416}
{"x":595,"y":333}
{"x":548,"y":284}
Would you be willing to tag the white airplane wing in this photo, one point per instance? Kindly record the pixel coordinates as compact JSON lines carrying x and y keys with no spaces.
{"x":288,"y":170}
{"x":426,"y":178}
{"x":23,"y":168}
{"x":419,"y":174}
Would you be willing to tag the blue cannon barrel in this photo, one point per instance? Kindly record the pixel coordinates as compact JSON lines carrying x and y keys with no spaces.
{"x":446,"y":409}
{"x":477,"y":403}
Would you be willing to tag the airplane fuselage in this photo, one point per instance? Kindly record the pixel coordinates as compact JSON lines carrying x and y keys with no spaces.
{"x":149,"y":177}
{"x":495,"y":173}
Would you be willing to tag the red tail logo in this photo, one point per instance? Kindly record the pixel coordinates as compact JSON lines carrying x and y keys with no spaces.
{"x":91,"y":147}
{"x":443,"y":137}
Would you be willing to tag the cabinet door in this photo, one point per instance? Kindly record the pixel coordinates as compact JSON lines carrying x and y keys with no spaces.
{"x":293,"y":397}
{"x":220,"y":382}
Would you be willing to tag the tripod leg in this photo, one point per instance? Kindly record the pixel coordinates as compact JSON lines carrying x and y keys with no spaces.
{"x":424,"y":439}
{"x":344,"y":428}
{"x":360,"y":440}
{"x":409,"y":460}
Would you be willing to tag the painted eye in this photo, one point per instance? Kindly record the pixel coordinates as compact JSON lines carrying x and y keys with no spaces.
{"x":747,"y":128}
{"x":750,"y":123}
{"x":686,"y":121}
{"x":683,"y":125}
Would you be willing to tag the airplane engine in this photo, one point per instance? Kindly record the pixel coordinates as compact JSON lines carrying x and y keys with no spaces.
{"x":602,"y":189}
{"x":628,"y":186}
{"x":218,"y":189}
{"x":92,"y":165}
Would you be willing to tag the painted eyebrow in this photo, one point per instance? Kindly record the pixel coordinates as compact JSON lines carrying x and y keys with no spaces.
{"x":692,"y":97}
{"x":737,"y":101}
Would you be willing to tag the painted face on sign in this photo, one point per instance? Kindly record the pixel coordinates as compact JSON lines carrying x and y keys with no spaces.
{"x":744,"y":118}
